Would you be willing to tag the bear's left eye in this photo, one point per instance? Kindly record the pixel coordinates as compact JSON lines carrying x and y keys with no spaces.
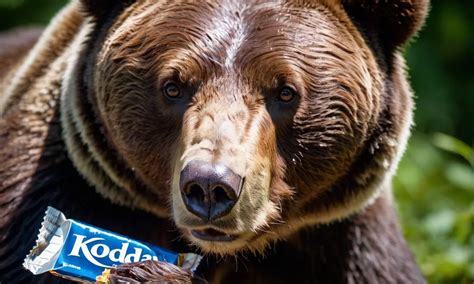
{"x":171,"y":90}
{"x":287,"y":94}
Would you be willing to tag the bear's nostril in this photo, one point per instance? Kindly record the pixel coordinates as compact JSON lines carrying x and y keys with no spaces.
{"x":222,"y":201}
{"x":196,"y":193}
{"x":197,"y":200}
{"x":220,"y":195}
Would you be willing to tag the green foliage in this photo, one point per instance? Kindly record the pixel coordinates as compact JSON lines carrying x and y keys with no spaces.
{"x":27,"y":12}
{"x":435,"y":194}
{"x":441,"y":64}
{"x":454,"y":145}
{"x":10,"y":3}
{"x":434,"y":186}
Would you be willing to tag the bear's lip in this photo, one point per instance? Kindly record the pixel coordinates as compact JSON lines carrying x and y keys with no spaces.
{"x":213,"y":235}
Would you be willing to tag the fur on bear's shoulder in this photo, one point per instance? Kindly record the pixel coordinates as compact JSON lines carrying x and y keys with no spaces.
{"x":48,"y":49}
{"x":14,"y":45}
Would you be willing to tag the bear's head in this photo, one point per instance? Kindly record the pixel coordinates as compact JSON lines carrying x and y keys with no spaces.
{"x":243,"y":122}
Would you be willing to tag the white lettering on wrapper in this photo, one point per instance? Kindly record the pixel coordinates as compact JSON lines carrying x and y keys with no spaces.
{"x":122,"y":252}
{"x":81,"y":246}
{"x":94,"y":250}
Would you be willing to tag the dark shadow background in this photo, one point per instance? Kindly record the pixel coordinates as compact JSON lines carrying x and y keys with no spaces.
{"x":434,"y":185}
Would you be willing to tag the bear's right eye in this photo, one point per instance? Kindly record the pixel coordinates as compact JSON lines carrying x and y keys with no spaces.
{"x":287,"y":94}
{"x":171,"y":90}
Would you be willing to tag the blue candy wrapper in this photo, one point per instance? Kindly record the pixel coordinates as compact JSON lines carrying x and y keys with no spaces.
{"x":79,"y":251}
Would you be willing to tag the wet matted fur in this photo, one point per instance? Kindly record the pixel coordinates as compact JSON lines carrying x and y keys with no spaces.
{"x":85,"y":127}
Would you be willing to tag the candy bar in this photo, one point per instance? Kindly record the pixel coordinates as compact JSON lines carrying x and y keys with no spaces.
{"x":78,"y":251}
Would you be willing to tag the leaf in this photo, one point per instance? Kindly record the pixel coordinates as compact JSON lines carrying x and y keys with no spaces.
{"x":454,"y":145}
{"x":460,"y":175}
{"x":440,"y":223}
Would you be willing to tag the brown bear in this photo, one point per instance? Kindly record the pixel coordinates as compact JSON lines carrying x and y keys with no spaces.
{"x":261,"y":134}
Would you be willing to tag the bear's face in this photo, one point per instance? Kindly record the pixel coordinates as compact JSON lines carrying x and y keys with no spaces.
{"x":250,"y":119}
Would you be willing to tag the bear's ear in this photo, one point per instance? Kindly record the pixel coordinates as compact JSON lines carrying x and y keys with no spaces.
{"x":100,"y":8}
{"x":391,"y":22}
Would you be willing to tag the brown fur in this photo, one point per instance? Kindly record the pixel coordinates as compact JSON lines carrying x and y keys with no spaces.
{"x":14,"y":45}
{"x":327,"y":156}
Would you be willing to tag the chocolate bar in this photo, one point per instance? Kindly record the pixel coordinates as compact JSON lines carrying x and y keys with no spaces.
{"x":150,"y":271}
{"x":79,"y":251}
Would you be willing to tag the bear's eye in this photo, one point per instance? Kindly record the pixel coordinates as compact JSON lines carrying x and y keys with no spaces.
{"x":171,"y":90}
{"x":287,"y":94}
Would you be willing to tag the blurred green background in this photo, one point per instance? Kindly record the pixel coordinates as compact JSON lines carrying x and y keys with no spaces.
{"x":434,"y":185}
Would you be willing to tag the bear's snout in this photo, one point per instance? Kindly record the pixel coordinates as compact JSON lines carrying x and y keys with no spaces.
{"x":209,"y":190}
{"x":224,"y":170}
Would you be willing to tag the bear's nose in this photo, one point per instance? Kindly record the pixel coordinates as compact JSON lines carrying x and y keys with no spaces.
{"x":209,"y":190}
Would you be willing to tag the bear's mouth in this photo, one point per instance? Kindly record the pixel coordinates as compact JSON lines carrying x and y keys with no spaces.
{"x":213,"y":235}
